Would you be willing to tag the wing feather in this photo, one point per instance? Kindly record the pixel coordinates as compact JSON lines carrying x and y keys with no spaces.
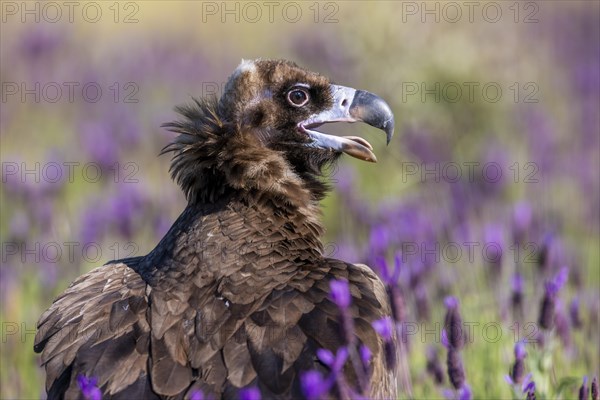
{"x":96,"y":327}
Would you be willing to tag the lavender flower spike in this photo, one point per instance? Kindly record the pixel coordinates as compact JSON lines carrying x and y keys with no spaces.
{"x":433,"y":365}
{"x":340,"y":293}
{"x":561,"y":278}
{"x":465,"y":393}
{"x":335,"y":363}
{"x":456,"y":371}
{"x":250,"y":394}
{"x":529,"y":387}
{"x":518,"y":368}
{"x":574,"y":313}
{"x":583,"y":390}
{"x":595,"y":388}
{"x":314,"y":386}
{"x":197,"y":395}
{"x":516,"y":298}
{"x":453,"y":340}
{"x":326,"y":357}
{"x":365,"y":355}
{"x":453,"y":323}
{"x":547,"y":308}
{"x":89,"y":388}
{"x":384,"y":327}
{"x":520,"y":352}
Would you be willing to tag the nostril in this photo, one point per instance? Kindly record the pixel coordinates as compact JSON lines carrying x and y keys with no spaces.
{"x":344,"y":102}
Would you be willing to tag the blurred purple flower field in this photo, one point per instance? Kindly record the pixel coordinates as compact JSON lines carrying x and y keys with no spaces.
{"x":482,"y":217}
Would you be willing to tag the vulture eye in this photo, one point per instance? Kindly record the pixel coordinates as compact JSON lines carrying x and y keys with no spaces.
{"x":298,"y":97}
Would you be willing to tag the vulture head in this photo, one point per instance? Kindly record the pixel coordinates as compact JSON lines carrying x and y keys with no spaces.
{"x":262,"y":134}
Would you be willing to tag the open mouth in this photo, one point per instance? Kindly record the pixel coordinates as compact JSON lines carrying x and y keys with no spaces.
{"x":350,"y":105}
{"x":352,"y":145}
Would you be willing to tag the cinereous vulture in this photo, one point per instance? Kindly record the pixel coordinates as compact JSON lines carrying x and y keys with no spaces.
{"x":237,"y":294}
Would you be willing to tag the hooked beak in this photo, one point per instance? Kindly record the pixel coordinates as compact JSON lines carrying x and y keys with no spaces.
{"x":350,"y":105}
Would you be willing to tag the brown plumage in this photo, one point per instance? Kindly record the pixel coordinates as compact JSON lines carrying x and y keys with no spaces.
{"x":236,"y":294}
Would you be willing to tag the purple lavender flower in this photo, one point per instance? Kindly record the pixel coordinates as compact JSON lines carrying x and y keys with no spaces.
{"x":197,"y":395}
{"x":444,"y":339}
{"x":433,"y":365}
{"x":451,"y":302}
{"x":548,"y":305}
{"x":584,"y":390}
{"x":314,"y":386}
{"x":384,"y":327}
{"x":326,"y":357}
{"x":250,"y":394}
{"x":456,"y":371}
{"x":595,"y":388}
{"x":528,"y":385}
{"x":335,"y":363}
{"x":516,"y":298}
{"x":563,"y":328}
{"x":340,"y":293}
{"x":561,"y":277}
{"x":393,"y":289}
{"x":340,"y":359}
{"x":453,"y":323}
{"x":365,"y":355}
{"x":574,"y":313}
{"x":465,"y":393}
{"x":520,"y":352}
{"x":384,"y":272}
{"x":546,"y":317}
{"x":89,"y":388}
{"x":517,"y":373}
{"x":453,"y":340}
{"x":543,"y":257}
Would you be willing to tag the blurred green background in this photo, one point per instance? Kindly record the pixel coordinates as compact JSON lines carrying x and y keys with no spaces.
{"x":497,"y":141}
